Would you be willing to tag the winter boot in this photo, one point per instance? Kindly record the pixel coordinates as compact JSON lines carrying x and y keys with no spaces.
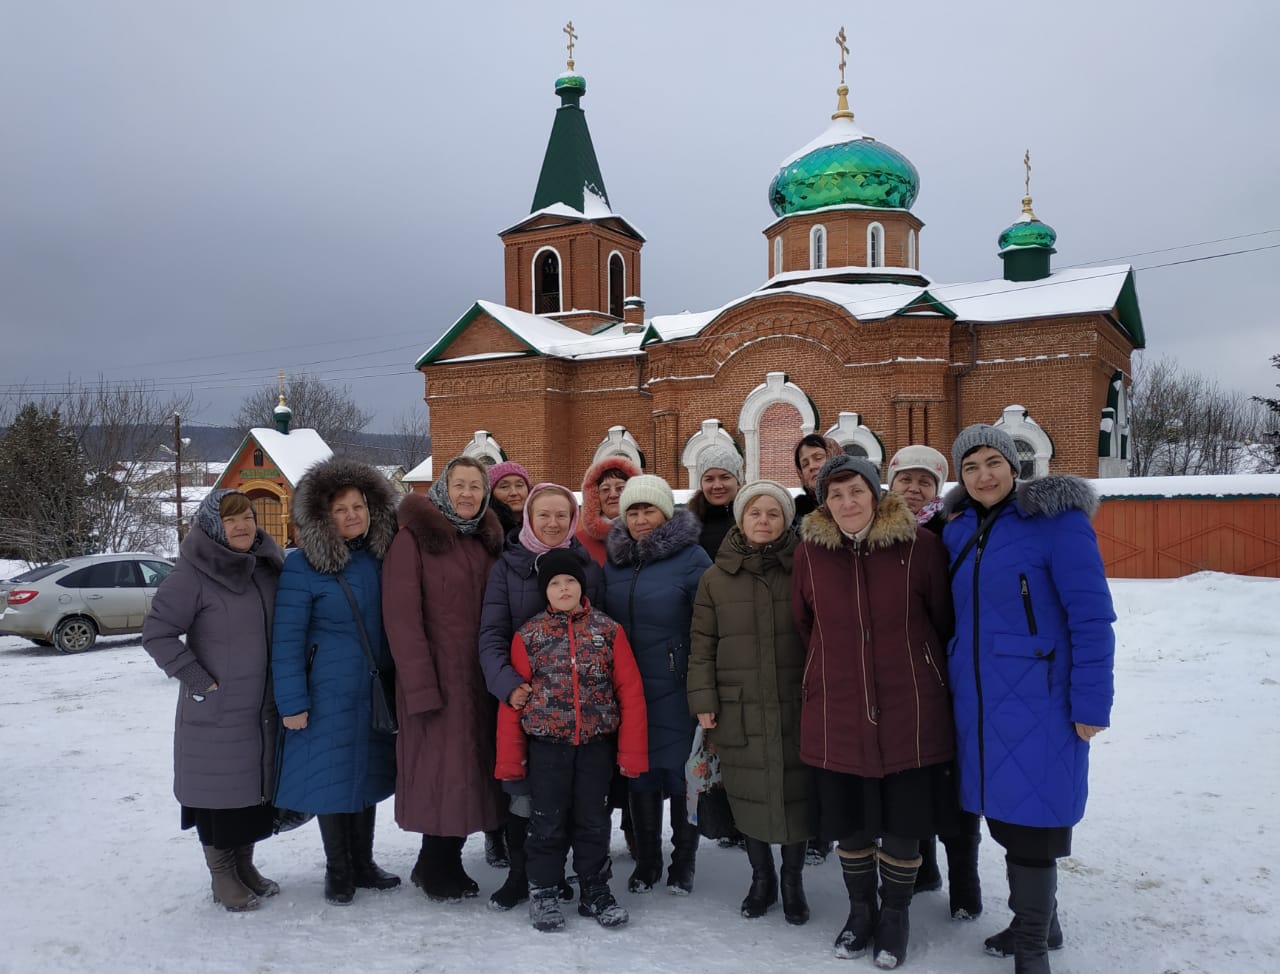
{"x":1001,"y":944}
{"x":646,"y":821}
{"x":859,"y":872}
{"x":339,"y":888}
{"x":249,"y":874}
{"x":470,"y":888}
{"x":435,"y":872}
{"x":963,"y":885}
{"x":495,"y":849}
{"x":928,"y":878}
{"x":365,"y":873}
{"x":764,"y":880}
{"x":597,"y":901}
{"x":516,"y":889}
{"x":227,"y":887}
{"x":684,"y":855}
{"x":795,"y":907}
{"x":897,"y":884}
{"x":544,"y":908}
{"x":628,"y":833}
{"x":1032,"y":892}
{"x":817,"y":851}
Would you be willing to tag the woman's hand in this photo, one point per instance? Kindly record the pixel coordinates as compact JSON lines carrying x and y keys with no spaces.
{"x":296,"y":722}
{"x":1087,"y":731}
{"x":707,"y":721}
{"x":519,"y":696}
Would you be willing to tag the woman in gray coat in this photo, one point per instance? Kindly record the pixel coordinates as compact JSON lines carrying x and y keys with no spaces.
{"x":221,"y":596}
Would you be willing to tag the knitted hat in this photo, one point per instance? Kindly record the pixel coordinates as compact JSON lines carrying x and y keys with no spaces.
{"x":843,"y":463}
{"x":559,"y":561}
{"x":916,"y":457}
{"x":979,"y":435}
{"x":505,"y":469}
{"x":719,"y":458}
{"x":764,"y":488}
{"x":648,"y":489}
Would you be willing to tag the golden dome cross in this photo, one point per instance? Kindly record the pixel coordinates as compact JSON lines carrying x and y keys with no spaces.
{"x":568,"y":29}
{"x":844,"y":50}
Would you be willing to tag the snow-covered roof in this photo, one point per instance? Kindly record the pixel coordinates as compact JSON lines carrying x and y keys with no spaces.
{"x":421,"y":474}
{"x":294,"y":453}
{"x":597,"y":208}
{"x":540,"y":334}
{"x":1234,"y":485}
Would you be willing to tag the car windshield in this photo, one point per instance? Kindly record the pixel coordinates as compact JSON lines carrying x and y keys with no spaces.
{"x":35,"y":574}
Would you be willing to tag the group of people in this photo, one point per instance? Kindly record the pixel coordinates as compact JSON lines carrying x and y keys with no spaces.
{"x":874,"y":668}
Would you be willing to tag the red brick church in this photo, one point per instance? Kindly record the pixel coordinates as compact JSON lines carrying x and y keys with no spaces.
{"x":846,"y":335}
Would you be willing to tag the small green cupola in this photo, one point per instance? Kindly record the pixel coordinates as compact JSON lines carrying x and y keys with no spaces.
{"x":1026,"y":245}
{"x":282,"y":414}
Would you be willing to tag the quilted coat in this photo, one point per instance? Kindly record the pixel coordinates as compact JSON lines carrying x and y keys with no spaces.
{"x":1032,"y":654}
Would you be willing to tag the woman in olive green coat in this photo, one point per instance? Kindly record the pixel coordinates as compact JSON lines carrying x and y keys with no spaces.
{"x":745,"y":667}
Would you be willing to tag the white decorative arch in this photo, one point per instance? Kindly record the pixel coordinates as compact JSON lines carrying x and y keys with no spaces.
{"x":1114,"y":432}
{"x":775,"y":388}
{"x":710,"y":434}
{"x":850,"y":431}
{"x":911,"y":249}
{"x":817,"y":247}
{"x":875,"y":245}
{"x":484,"y":448}
{"x":777,"y":254}
{"x":533,"y":275}
{"x":618,"y":442}
{"x":1033,"y":442}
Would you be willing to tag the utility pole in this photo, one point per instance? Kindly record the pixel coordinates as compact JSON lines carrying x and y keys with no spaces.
{"x":177,"y":470}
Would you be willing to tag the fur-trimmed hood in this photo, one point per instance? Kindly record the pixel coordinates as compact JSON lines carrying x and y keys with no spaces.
{"x":230,"y":568}
{"x":317,"y":537}
{"x":893,"y":522}
{"x":592,"y":520}
{"x":1044,"y":497}
{"x":435,"y":535}
{"x":662,"y":542}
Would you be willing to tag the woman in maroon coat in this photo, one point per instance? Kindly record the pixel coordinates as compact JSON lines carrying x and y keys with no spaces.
{"x":433,"y":580}
{"x":872,"y":602}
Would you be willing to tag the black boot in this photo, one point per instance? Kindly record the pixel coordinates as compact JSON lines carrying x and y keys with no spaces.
{"x":628,"y":833}
{"x":335,"y":833}
{"x":1001,"y":944}
{"x":544,"y":908}
{"x":516,"y":889}
{"x":597,"y":901}
{"x":795,"y":907}
{"x":963,"y":885}
{"x":1032,"y":892}
{"x":817,"y":852}
{"x":859,"y":872}
{"x":928,"y":878}
{"x":684,"y":855}
{"x":437,"y":872}
{"x":365,"y":873}
{"x":646,"y":822}
{"x":897,"y":884}
{"x":249,"y":874}
{"x":495,"y":849}
{"x":764,"y":880}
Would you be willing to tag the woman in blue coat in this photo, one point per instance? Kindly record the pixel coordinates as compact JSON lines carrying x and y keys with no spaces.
{"x":1031,"y":670}
{"x":651,"y":577}
{"x":333,"y":763}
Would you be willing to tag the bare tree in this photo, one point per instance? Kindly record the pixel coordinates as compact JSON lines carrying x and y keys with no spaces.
{"x":411,"y":439}
{"x":1271,"y":423}
{"x":326,"y":407}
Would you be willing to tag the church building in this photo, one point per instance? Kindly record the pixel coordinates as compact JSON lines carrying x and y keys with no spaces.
{"x":846,"y":335}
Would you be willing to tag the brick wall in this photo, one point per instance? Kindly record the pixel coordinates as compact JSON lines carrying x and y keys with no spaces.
{"x":846,"y":238}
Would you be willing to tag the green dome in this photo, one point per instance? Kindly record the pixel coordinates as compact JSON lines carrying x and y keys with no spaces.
{"x":1029,"y":231}
{"x":571,"y":81}
{"x":844,"y":166}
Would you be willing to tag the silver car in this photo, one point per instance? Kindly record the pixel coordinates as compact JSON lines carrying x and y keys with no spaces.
{"x":68,"y":603}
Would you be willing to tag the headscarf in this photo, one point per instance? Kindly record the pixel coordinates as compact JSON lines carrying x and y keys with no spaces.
{"x":209,"y":516}
{"x":926,"y":513}
{"x":528,"y":539}
{"x":439,"y":494}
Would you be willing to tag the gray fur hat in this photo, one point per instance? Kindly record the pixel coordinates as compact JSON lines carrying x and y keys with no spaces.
{"x":843,"y":463}
{"x":979,"y":435}
{"x":719,"y":458}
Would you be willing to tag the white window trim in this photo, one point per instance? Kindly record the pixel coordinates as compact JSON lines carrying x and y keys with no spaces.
{"x":777,"y":254}
{"x":618,"y":442}
{"x":875,"y":231}
{"x":608,"y":274}
{"x":814,"y":231}
{"x":1020,"y":426}
{"x":775,"y":388}
{"x":484,"y":447}
{"x":911,"y":249}
{"x":533,"y":267}
{"x":710,"y":433}
{"x":851,"y":430}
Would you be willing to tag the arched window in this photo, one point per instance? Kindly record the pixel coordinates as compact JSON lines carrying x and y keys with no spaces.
{"x":710,"y":433}
{"x":484,"y":448}
{"x":257,"y":457}
{"x":875,"y":245}
{"x":818,"y":247}
{"x":546,"y":282}
{"x":776,"y":388}
{"x":617,"y":283}
{"x":911,"y":248}
{"x":1035,"y":449}
{"x":857,"y":439}
{"x":619,"y":442}
{"x":777,"y":254}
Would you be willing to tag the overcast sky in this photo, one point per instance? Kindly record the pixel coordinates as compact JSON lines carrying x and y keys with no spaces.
{"x":202,"y":193}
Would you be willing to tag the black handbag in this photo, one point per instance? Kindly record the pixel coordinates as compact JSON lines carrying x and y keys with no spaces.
{"x":382,"y":686}
{"x":715,"y":817}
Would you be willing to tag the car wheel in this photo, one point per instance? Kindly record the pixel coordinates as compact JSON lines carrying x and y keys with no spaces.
{"x":75,"y":634}
{"x":42,"y":642}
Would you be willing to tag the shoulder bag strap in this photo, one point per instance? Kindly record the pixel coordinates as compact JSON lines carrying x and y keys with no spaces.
{"x":364,"y":636}
{"x":983,"y":526}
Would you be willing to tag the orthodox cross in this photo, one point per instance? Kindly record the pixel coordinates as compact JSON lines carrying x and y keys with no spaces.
{"x":568,"y":29}
{"x":844,"y":50}
{"x":281,"y":376}
{"x":1026,"y":161}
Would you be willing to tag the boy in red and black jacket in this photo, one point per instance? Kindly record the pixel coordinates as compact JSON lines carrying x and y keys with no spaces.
{"x":582,"y":713}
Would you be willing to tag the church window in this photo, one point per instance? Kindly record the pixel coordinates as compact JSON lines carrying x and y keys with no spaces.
{"x":546,"y":282}
{"x":875,"y":245}
{"x":856,"y":438}
{"x":777,"y":254}
{"x":1035,"y":448}
{"x":257,"y":457}
{"x":617,"y":283}
{"x":818,"y":247}
{"x":911,"y":248}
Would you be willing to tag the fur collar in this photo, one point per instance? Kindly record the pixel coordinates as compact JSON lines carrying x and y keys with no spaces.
{"x":662,"y":542}
{"x":592,"y":521}
{"x":433,"y":532}
{"x":893,"y":523}
{"x":231,"y":569}
{"x":317,"y":537}
{"x":1044,"y":497}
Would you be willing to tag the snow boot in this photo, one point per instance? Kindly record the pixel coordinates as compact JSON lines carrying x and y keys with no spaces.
{"x":763,"y":892}
{"x":597,"y":901}
{"x":684,"y":854}
{"x":544,"y":908}
{"x":646,"y":822}
{"x":928,"y":879}
{"x":249,"y":874}
{"x":438,"y":871}
{"x":859,"y":872}
{"x":228,"y":890}
{"x":495,"y":849}
{"x":339,"y":888}
{"x":1032,"y":891}
{"x":365,"y":873}
{"x":1001,"y":944}
{"x":516,"y":888}
{"x":897,"y":884}
{"x":795,"y":907}
{"x":816,"y":852}
{"x":963,"y":885}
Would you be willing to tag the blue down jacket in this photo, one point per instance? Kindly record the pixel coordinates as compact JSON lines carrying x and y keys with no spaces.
{"x":649,"y":587}
{"x":1032,"y":654}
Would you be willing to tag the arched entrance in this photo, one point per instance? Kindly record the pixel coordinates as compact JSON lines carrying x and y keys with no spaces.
{"x":272,"y":515}
{"x":781,"y":427}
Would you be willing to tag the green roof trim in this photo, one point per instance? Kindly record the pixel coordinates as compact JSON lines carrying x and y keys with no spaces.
{"x":931,"y":301}
{"x":1130,"y":317}
{"x":570,"y":165}
{"x":436,"y":351}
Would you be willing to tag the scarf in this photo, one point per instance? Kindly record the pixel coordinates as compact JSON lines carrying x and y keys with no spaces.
{"x":926,"y":513}
{"x":439,"y":494}
{"x":528,"y":540}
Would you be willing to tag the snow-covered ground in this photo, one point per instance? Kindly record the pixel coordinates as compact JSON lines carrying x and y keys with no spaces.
{"x":1172,"y":869}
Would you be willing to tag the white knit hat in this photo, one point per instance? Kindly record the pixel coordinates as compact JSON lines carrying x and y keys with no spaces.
{"x":917,"y":457}
{"x":719,"y":458}
{"x":648,"y":489}
{"x":764,"y":488}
